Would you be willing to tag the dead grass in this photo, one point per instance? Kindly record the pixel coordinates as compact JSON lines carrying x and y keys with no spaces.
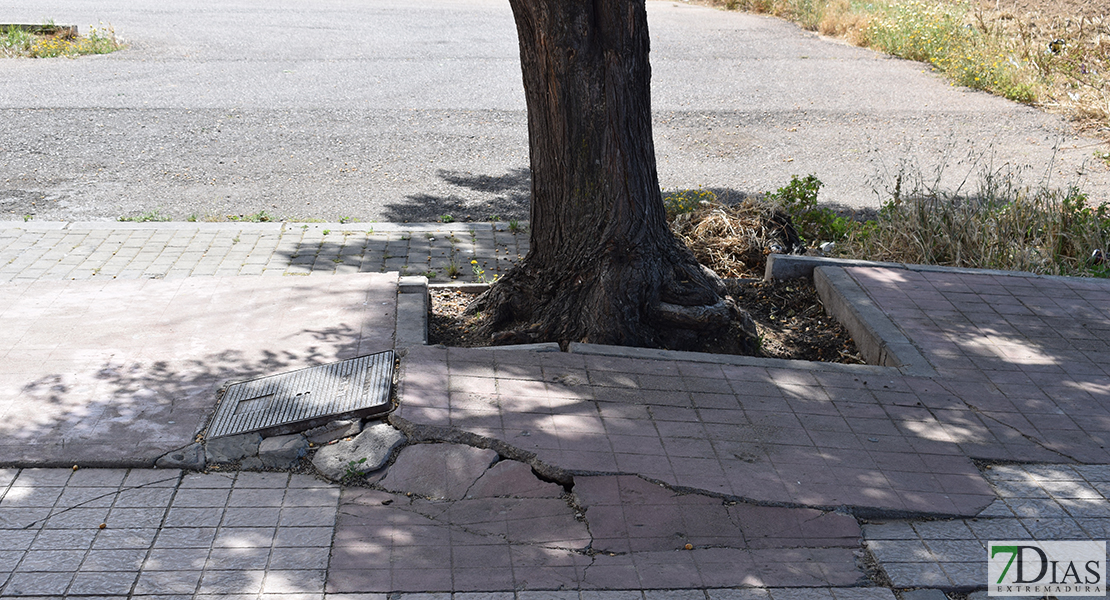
{"x":1049,"y":53}
{"x":731,"y":240}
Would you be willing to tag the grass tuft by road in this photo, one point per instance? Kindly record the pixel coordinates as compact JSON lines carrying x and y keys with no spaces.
{"x":50,"y":41}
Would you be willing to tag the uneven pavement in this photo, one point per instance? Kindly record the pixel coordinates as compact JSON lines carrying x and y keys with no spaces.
{"x":529,"y":473}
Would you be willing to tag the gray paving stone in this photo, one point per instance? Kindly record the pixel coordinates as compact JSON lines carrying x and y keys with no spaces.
{"x":367,"y":452}
{"x":911,"y":575}
{"x":334,"y":430}
{"x":167,"y":582}
{"x":303,"y":537}
{"x":943,"y":530}
{"x":545,"y":595}
{"x":191,"y":457}
{"x":236,"y":559}
{"x":512,"y":478}
{"x":104,"y":583}
{"x":282,"y":452}
{"x":966,"y":574}
{"x":889,"y":531}
{"x":293,"y":582}
{"x":37,"y":583}
{"x":900,"y":551}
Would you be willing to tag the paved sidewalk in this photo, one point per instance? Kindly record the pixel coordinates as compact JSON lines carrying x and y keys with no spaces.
{"x":92,"y":250}
{"x":118,"y":533}
{"x":598,"y":473}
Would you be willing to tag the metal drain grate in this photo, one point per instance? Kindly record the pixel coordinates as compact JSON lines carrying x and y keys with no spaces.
{"x":299,"y":400}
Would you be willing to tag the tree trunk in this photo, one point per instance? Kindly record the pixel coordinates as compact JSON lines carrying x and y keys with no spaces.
{"x":603,"y":266}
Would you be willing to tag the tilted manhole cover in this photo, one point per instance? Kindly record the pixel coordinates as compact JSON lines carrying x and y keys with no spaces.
{"x":298,"y":400}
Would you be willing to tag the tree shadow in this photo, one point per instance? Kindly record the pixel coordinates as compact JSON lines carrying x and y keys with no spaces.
{"x":1022,"y":359}
{"x":480,"y":198}
{"x":126,"y":386}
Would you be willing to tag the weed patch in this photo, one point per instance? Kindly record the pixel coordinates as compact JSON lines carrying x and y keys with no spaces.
{"x":1003,"y":224}
{"x":48,"y":41}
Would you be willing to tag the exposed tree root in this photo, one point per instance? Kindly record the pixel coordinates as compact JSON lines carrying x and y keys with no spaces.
{"x":656,"y":299}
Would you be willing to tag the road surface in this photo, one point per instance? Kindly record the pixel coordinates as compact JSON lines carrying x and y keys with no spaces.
{"x":392,"y":110}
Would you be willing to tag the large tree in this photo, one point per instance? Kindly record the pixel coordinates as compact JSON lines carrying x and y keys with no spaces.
{"x":603,"y":266}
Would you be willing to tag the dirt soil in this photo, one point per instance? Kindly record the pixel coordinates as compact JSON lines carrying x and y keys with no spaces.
{"x":1066,"y":9}
{"x":788,"y":314}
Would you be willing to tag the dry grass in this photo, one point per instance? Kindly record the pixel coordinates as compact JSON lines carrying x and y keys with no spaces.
{"x":1050,"y":54}
{"x":1003,"y":224}
{"x":731,"y":240}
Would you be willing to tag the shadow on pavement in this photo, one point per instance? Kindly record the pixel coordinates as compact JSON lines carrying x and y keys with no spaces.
{"x":120,"y":374}
{"x":500,"y":197}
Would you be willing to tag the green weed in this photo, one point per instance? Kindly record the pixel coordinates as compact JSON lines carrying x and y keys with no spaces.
{"x":353,"y":470}
{"x":685,"y":201}
{"x":154,"y":215}
{"x":798,"y":199}
{"x":259,"y":217}
{"x":53,"y":42}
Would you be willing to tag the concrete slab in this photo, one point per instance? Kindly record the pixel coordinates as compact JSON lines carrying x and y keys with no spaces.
{"x":120,"y":372}
{"x":438,"y":471}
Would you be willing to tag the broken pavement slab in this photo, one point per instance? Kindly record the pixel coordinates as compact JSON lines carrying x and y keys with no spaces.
{"x":365,"y":453}
{"x":513,"y":530}
{"x":438,"y":471}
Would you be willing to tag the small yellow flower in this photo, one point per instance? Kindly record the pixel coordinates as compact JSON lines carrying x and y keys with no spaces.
{"x":473,"y":262}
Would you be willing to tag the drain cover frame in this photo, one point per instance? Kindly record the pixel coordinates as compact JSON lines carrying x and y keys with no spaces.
{"x":297,"y":400}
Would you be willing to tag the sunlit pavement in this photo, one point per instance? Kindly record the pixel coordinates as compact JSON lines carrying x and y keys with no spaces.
{"x":584,"y":474}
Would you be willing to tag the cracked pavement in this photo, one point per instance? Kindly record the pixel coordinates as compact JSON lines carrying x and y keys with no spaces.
{"x":467,"y":525}
{"x":593,"y":474}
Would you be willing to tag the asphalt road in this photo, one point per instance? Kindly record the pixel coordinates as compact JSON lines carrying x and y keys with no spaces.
{"x":393,"y":110}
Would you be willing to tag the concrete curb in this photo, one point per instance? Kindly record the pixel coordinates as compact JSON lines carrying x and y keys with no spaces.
{"x":720,"y":359}
{"x":469,"y":288}
{"x":879,"y":340}
{"x":413,"y":303}
{"x":789,"y":266}
{"x":413,"y":306}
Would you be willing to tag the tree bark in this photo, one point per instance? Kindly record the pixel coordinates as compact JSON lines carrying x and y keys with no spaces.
{"x":603,"y":266}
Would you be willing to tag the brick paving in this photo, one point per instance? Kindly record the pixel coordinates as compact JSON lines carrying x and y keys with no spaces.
{"x":1036,"y":502}
{"x":119,"y":372}
{"x":79,"y":251}
{"x":1024,"y":362}
{"x":823,"y":438}
{"x":165,"y":533}
{"x":783,"y":478}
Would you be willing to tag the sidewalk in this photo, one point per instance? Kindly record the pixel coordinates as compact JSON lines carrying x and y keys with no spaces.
{"x":592,"y":474}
